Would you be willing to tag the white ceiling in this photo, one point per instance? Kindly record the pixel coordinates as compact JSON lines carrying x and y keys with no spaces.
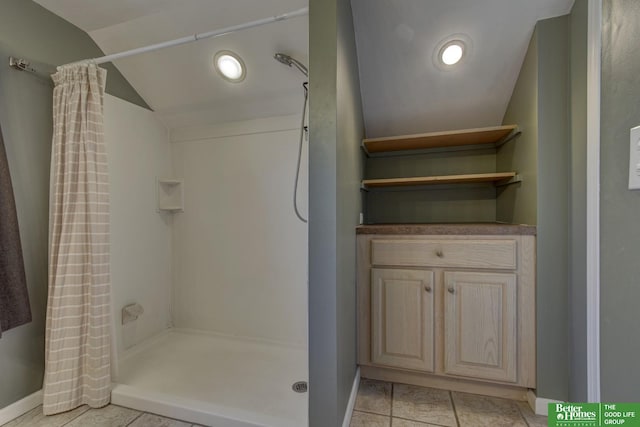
{"x":403,"y":92}
{"x":179,"y":83}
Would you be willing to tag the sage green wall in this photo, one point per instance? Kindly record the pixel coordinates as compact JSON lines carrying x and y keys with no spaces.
{"x":578,"y":20}
{"x":350,"y":131}
{"x":619,"y":207}
{"x":323,"y":345}
{"x":553,"y":209}
{"x":26,"y":119}
{"x":470,"y":203}
{"x":29,"y":31}
{"x":445,"y":203}
{"x":517,"y":203}
{"x":33,"y":33}
{"x":335,"y":170}
{"x":540,"y":106}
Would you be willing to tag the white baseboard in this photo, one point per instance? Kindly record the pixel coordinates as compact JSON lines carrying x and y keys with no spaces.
{"x":20,"y":407}
{"x":352,"y":400}
{"x":539,"y":405}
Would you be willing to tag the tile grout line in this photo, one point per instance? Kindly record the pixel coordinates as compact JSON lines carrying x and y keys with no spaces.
{"x":74,"y":418}
{"x":133,"y":420}
{"x":522,"y":416}
{"x":430,"y":423}
{"x":458,"y":423}
{"x":367,"y":412}
{"x":455,"y":411}
{"x":139,"y":415}
{"x":421,"y":421}
{"x":393,"y":387}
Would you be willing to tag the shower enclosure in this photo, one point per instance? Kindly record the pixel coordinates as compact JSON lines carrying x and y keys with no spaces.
{"x":209,"y":265}
{"x":222,"y":280}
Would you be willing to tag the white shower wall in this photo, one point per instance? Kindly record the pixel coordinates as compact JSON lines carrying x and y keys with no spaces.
{"x":239,"y":252}
{"x":138,"y":150}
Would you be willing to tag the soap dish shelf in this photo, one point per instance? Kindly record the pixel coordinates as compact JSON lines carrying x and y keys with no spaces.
{"x":170,"y":195}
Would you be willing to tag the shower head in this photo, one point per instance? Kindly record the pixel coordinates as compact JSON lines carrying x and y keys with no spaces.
{"x":287,"y":60}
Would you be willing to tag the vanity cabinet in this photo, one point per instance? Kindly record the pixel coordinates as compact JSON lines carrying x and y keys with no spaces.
{"x":448,"y":306}
{"x":402,"y":318}
{"x":480,"y":322}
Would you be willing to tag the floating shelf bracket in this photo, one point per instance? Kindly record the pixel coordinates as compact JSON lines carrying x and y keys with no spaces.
{"x":513,"y":135}
{"x":516,"y":179}
{"x":364,"y":149}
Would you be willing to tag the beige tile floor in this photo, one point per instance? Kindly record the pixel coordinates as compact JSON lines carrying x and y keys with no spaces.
{"x":382,"y":404}
{"x":379,"y":404}
{"x":109,"y":416}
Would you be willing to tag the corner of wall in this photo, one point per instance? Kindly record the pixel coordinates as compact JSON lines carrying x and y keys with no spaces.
{"x":553,"y":203}
{"x":518,"y":203}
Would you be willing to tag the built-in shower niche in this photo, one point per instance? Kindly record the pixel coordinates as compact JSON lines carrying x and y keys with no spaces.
{"x":170,"y":195}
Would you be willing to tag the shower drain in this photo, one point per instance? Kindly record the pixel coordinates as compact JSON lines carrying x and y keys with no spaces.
{"x":300,"y":387}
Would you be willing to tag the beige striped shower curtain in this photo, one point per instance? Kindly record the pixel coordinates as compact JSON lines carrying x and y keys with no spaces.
{"x":78,"y":326}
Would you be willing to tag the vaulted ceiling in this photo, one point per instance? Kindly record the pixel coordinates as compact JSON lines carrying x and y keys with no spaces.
{"x":403,"y":91}
{"x":179,"y":83}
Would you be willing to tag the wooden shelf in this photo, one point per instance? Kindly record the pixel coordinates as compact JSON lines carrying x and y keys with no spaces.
{"x":482,"y":136}
{"x":506,"y":177}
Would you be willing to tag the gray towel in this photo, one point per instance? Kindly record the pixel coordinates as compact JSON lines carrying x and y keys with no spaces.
{"x":14,"y":299}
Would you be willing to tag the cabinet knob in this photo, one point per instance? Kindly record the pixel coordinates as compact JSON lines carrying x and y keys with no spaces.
{"x":427,"y":288}
{"x":450,"y":289}
{"x":439,"y":253}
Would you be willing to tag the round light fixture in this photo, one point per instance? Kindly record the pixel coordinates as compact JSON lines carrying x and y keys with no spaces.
{"x":230,"y":66}
{"x":451,"y":53}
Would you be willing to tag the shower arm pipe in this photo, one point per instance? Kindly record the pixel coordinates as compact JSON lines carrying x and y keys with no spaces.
{"x":200,"y":36}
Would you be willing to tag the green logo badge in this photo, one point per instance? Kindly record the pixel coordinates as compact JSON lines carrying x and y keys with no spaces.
{"x":594,"y":414}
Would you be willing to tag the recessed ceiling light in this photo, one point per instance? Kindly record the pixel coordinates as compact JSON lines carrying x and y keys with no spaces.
{"x":230,"y":66}
{"x":452,"y":52}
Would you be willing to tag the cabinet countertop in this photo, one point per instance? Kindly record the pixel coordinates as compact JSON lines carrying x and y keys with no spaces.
{"x":448,"y":229}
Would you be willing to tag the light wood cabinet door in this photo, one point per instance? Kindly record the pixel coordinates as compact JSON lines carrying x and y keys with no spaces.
{"x":481,"y":325}
{"x":402,"y":318}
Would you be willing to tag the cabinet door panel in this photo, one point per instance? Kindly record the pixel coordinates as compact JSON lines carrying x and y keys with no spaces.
{"x":480,"y":325}
{"x":402,"y":318}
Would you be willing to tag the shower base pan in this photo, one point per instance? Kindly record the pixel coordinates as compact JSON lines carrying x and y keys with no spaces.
{"x":214,"y":381}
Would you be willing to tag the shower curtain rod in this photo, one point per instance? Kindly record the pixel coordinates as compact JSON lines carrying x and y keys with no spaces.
{"x":195,"y":37}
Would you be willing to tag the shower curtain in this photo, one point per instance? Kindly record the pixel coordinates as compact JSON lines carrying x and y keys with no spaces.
{"x":78,"y":326}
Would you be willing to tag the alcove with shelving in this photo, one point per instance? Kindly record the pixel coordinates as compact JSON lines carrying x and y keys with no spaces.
{"x":447,"y":176}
